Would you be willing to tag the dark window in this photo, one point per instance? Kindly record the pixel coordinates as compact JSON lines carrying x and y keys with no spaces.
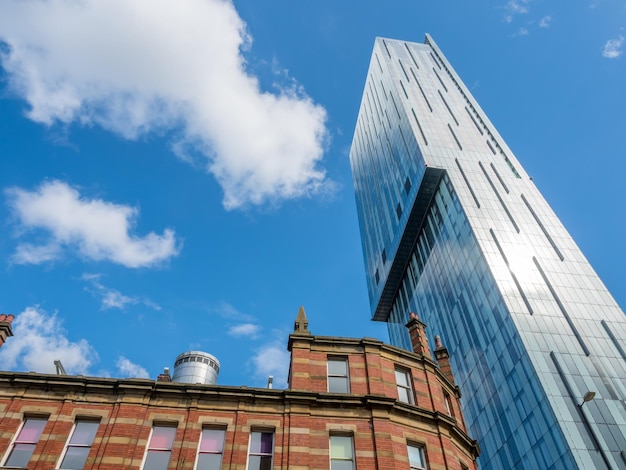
{"x":25,"y":442}
{"x":341,"y":453}
{"x":159,"y":449}
{"x":261,"y":450}
{"x":79,"y":445}
{"x":211,"y":449}
{"x":338,"y":378}
{"x":417,"y":457}
{"x":403,"y":382}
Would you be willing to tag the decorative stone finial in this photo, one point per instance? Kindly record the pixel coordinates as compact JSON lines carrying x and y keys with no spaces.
{"x":301,"y":325}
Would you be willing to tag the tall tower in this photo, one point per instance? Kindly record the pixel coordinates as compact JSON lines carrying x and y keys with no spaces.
{"x":453,"y":228}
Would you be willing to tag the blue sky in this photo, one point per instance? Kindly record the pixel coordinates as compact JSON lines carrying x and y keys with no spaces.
{"x":174,"y":175}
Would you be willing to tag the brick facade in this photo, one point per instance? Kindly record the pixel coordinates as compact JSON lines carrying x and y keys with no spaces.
{"x":302,"y":418}
{"x":5,"y":327}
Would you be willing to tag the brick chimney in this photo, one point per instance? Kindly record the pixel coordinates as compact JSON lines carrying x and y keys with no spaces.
{"x":5,"y":327}
{"x":417,"y":332}
{"x":165,"y":375}
{"x":443,"y":358}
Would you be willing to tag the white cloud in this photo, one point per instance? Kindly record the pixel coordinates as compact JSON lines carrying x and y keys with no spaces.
{"x":515,"y":7}
{"x":226,"y":310}
{"x":245,"y":329}
{"x":39,"y":340}
{"x":521,"y":32}
{"x":96,"y":229}
{"x":126,"y":368}
{"x":140,"y":66}
{"x":272,"y":359}
{"x":613,"y":48}
{"x":545,"y":22}
{"x":112,"y":298}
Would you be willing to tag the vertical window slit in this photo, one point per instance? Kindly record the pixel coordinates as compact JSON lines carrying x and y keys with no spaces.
{"x":506,"y":261}
{"x":455,"y":137}
{"x":396,"y":107}
{"x":448,"y":107}
{"x":435,"y":60}
{"x":403,"y":70}
{"x":440,"y":80}
{"x":606,"y":327}
{"x":387,"y":48}
{"x":384,"y":91}
{"x":419,"y":127}
{"x":422,"y":91}
{"x":474,"y":121}
{"x":568,"y":319}
{"x":495,"y":190}
{"x":490,"y":147}
{"x":543,"y":229}
{"x":408,"y":49}
{"x":469,"y":186}
{"x":399,"y":211}
{"x":404,"y":89}
{"x":378,"y":60}
{"x":499,"y":178}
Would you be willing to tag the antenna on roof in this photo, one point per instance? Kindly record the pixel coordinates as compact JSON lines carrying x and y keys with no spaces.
{"x":60,"y":368}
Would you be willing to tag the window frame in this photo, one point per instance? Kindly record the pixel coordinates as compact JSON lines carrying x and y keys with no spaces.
{"x":330,"y":450}
{"x":155,"y":450}
{"x":69,"y":440}
{"x":421,"y":448}
{"x":201,"y":452}
{"x":447,"y":399}
{"x":346,"y":377}
{"x":261,"y":454}
{"x":408,"y":388}
{"x":16,"y":440}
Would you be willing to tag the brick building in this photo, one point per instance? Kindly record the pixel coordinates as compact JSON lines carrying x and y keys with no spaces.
{"x":350,"y":404}
{"x":5,"y":327}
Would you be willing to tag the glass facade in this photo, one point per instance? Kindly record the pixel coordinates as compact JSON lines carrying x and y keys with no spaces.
{"x":453,"y":229}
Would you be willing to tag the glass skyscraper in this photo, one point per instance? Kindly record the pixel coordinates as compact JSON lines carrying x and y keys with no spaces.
{"x":454,"y":229}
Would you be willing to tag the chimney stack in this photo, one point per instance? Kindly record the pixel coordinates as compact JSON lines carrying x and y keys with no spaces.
{"x":443,"y":358}
{"x":5,"y":327}
{"x":417,"y":332}
{"x":165,"y":375}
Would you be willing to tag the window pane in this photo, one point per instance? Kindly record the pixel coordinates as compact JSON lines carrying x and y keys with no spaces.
{"x":416,"y":457}
{"x":340,"y":447}
{"x":260,"y":462}
{"x":403,"y":395}
{"x":338,"y":385}
{"x":261,"y":442}
{"x":84,"y":433}
{"x":32,"y":429}
{"x":341,"y":465}
{"x":75,"y":458}
{"x":401,"y":378}
{"x":157,"y":460}
{"x":162,"y":437}
{"x":212,"y":440}
{"x":337,"y":367}
{"x":20,"y":455}
{"x":209,"y":462}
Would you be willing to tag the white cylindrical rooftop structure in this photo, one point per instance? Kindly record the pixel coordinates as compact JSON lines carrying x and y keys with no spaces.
{"x":196,"y":367}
